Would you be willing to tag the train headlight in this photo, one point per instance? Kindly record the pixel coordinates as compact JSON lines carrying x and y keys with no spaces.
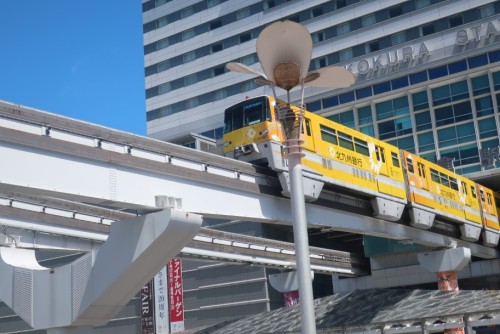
{"x":264,"y":132}
{"x":226,"y":144}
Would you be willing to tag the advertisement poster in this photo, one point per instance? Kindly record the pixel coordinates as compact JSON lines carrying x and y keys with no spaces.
{"x":176,"y":304}
{"x":147,"y":309}
{"x":161,"y":302}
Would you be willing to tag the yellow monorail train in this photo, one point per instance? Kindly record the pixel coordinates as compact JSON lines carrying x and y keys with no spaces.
{"x":341,"y":157}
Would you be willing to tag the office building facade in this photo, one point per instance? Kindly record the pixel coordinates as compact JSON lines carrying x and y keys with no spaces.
{"x":427,"y":80}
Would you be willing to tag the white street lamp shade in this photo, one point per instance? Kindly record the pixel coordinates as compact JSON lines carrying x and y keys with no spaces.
{"x":238,"y":67}
{"x":284,"y":43}
{"x":332,"y":77}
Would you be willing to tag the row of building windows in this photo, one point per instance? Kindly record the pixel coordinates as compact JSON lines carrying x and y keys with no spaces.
{"x":183,"y":13}
{"x":315,"y":64}
{"x":405,"y":81}
{"x":459,"y":121}
{"x":379,"y":88}
{"x":233,"y":17}
{"x":246,"y":36}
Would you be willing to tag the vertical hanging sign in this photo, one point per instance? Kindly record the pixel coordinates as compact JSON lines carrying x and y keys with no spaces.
{"x":176,"y":303}
{"x":161,"y":302}
{"x":147,"y":309}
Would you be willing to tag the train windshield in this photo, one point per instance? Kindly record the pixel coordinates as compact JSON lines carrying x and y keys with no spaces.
{"x":248,"y":112}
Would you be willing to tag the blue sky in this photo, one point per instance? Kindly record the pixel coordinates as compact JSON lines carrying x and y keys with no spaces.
{"x":78,"y":58}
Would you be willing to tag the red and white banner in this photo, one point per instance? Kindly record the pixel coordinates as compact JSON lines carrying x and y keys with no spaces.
{"x":161,"y":302}
{"x":176,"y":303}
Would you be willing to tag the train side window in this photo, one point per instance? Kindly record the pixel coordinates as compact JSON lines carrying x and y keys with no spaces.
{"x":361,"y":147}
{"x":308,"y":127}
{"x":421,"y":169}
{"x":409,"y":162}
{"x":481,"y":191}
{"x":473,"y":191}
{"x":329,"y":135}
{"x":435,"y":175}
{"x":453,"y":183}
{"x":464,"y":188}
{"x":395,"y":159}
{"x":345,"y":140}
{"x":380,"y":153}
{"x":444,"y":179}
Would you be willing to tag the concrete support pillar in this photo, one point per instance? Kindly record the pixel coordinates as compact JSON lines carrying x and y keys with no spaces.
{"x":288,"y":284}
{"x":445,"y":263}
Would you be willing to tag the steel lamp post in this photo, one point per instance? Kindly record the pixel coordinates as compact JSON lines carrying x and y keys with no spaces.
{"x":284,"y":50}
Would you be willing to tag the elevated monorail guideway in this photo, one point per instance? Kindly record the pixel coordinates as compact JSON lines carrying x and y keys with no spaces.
{"x":53,"y":156}
{"x":73,"y":227}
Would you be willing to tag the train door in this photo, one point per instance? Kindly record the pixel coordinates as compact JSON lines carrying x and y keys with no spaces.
{"x":307,"y":135}
{"x":423,"y":175}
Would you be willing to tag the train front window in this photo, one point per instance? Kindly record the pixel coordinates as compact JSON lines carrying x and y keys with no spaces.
{"x":246,"y":113}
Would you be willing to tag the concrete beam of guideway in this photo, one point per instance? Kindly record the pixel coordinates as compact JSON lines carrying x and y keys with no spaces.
{"x":92,"y":289}
{"x":41,"y":165}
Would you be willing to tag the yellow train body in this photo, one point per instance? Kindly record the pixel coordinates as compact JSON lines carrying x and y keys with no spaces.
{"x":336,"y":155}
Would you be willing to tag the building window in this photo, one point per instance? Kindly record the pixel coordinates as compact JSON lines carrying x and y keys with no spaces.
{"x":216,"y":47}
{"x":368,"y":20}
{"x":245,"y":37}
{"x":365,"y":115}
{"x":219,"y":70}
{"x":463,"y":155}
{"x":187,"y":57}
{"x":162,"y":44}
{"x":249,"y":60}
{"x":215,"y":24}
{"x":448,"y":93}
{"x":420,"y":101}
{"x":162,"y":22}
{"x":423,"y":121}
{"x":318,"y":37}
{"x":345,"y":54}
{"x":187,"y":34}
{"x":245,"y":12}
{"x":458,"y":66}
{"x":165,"y":88}
{"x":398,"y":38}
{"x":487,"y":11}
{"x":220,"y":94}
{"x":318,"y":11}
{"x":422,"y":3}
{"x":269,"y":4}
{"x":340,"y":4}
{"x":212,"y":3}
{"x":480,"y":85}
{"x":160,"y":2}
{"x":395,"y":11}
{"x":418,"y":77}
{"x":438,"y":72}
{"x":248,"y":85}
{"x":345,"y":118}
{"x":190,"y":79}
{"x":372,"y":47}
{"x":363,"y":92}
{"x":392,"y":108}
{"x":320,"y":62}
{"x":394,"y":128}
{"x":487,"y":128}
{"x":453,"y":113}
{"x":188,"y":11}
{"x":427,"y":29}
{"x":455,"y":135}
{"x":163,"y":66}
{"x":192,"y":103}
{"x":343,"y":28}
{"x":484,"y":106}
{"x":456,"y":21}
{"x":426,"y":142}
{"x":477,"y":61}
